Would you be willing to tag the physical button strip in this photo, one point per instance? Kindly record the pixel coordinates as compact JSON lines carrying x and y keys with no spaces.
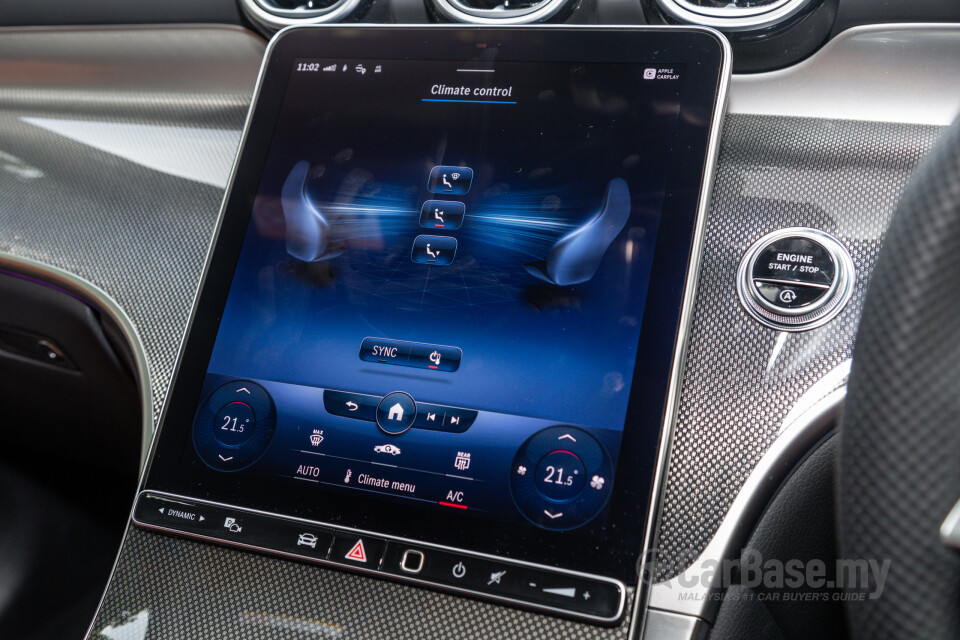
{"x":594,"y":599}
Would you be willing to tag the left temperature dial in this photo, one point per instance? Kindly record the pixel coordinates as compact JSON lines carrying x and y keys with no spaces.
{"x":234,"y":425}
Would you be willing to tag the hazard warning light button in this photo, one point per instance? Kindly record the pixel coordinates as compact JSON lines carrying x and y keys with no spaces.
{"x":360,"y":551}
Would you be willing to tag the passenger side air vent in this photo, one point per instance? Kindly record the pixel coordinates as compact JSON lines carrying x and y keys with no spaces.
{"x":732,"y":15}
{"x":765,"y":34}
{"x":273,"y":15}
{"x":499,"y":11}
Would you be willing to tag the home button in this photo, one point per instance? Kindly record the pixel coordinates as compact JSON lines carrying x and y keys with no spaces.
{"x":412,"y":561}
{"x":396,"y":413}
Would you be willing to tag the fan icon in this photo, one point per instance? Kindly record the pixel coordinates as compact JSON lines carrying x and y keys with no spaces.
{"x":596,"y":482}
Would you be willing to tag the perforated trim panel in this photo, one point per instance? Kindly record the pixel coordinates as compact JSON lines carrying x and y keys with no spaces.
{"x":138,"y":233}
{"x":742,"y":379}
{"x":183,"y":589}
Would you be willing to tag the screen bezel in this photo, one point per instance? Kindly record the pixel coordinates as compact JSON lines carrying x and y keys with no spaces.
{"x":638,"y":469}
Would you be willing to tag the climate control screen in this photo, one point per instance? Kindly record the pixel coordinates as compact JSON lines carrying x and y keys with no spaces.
{"x":441,"y":290}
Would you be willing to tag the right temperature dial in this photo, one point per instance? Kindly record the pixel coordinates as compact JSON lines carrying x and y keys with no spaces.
{"x":561,"y":478}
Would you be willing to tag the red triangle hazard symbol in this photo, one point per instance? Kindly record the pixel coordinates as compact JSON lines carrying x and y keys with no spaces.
{"x":357,"y":552}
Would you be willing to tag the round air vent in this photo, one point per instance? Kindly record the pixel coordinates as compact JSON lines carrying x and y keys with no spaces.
{"x":733,"y":15}
{"x":499,"y":11}
{"x":277,"y":14}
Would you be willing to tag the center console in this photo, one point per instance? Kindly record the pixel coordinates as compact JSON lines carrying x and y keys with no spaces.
{"x":438,"y":336}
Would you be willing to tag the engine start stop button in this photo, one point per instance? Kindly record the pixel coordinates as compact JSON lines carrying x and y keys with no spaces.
{"x":793,"y":273}
{"x":795,"y":279}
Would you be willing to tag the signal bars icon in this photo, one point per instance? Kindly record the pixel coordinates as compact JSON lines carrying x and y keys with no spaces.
{"x":330,"y":67}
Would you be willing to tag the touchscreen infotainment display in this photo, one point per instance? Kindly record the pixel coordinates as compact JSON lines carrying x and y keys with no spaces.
{"x":450,"y":309}
{"x":441,"y":288}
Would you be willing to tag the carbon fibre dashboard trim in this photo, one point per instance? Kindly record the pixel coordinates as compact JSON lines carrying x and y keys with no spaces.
{"x":742,"y":379}
{"x":122,"y":225}
{"x":205,"y":591}
{"x":691,"y":592}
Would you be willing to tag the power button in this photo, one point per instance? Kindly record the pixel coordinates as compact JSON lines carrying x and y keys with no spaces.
{"x":795,"y":279}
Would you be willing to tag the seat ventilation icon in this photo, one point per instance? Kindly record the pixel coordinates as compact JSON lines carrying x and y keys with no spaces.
{"x":576,"y":256}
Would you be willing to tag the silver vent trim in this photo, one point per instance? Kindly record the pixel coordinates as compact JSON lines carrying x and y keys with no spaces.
{"x":733,"y":18}
{"x":457,"y":11}
{"x":274,"y":18}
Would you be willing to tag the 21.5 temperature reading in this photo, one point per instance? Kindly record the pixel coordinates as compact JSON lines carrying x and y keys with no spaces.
{"x":231,"y":424}
{"x":556,"y":476}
